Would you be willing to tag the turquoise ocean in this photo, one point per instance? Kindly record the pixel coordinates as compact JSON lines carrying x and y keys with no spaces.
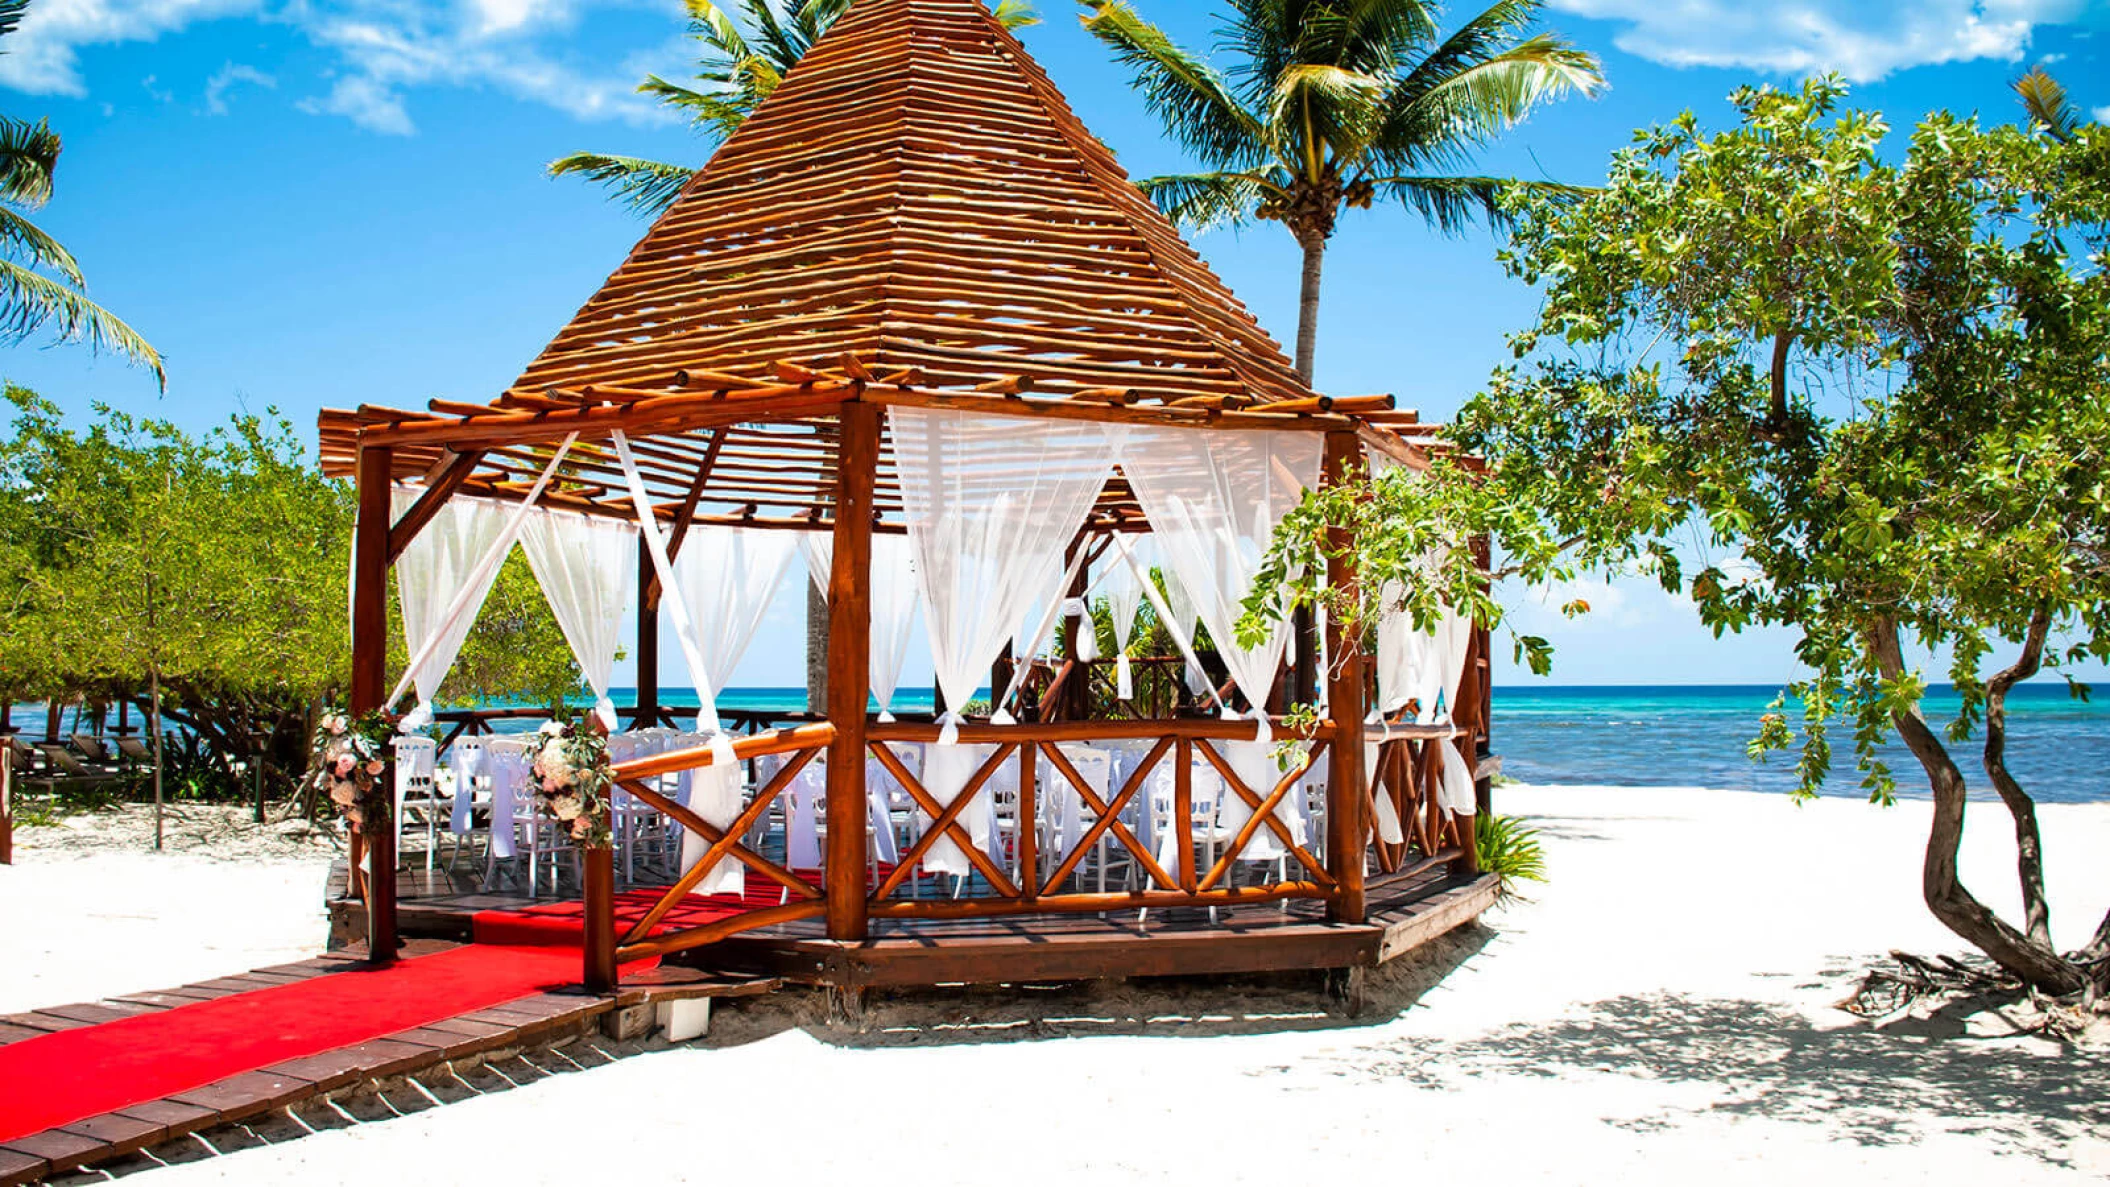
{"x":1673,"y":735}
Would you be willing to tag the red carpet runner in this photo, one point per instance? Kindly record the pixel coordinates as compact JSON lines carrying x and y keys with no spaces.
{"x":60,"y":1078}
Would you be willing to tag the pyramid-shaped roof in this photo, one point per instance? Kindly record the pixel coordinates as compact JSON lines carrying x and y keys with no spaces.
{"x":917,"y":193}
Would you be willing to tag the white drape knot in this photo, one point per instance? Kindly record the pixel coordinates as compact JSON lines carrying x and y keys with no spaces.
{"x":604,"y":708}
{"x":949,"y":724}
{"x":1086,"y":632}
{"x":1124,"y":678}
{"x":1377,"y":717}
{"x":1265,"y":731}
{"x":418,"y":718}
{"x":884,"y":717}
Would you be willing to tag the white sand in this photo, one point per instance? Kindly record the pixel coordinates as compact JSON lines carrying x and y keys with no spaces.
{"x":1659,"y":1013}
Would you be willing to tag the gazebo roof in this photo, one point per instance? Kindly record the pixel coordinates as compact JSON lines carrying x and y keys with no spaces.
{"x":915,"y":215}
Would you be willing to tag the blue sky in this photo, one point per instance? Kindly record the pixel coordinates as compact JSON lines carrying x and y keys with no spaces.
{"x":321,"y":202}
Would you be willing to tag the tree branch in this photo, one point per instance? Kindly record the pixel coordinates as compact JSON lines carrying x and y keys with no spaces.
{"x":2029,"y":845}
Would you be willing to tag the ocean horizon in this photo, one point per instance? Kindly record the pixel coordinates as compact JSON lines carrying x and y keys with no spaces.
{"x":1665,"y":735}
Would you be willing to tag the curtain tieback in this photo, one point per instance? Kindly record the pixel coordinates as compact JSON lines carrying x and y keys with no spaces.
{"x":949,"y":723}
{"x":1087,"y":634}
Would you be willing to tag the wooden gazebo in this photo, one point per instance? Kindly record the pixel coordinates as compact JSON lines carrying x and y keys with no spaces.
{"x":916,"y":220}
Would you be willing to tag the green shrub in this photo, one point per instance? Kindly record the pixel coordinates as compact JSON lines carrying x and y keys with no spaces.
{"x":1509,"y":849}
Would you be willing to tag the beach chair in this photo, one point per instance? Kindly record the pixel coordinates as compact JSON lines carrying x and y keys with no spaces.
{"x":93,"y":749}
{"x":62,"y":768}
{"x":135,"y":750}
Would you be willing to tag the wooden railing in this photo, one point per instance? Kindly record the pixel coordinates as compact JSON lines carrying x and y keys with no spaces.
{"x":1023,"y":880}
{"x":604,"y":949}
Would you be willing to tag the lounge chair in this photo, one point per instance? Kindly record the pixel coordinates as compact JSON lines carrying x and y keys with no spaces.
{"x":63,"y":766}
{"x":92,"y":749}
{"x":135,"y":750}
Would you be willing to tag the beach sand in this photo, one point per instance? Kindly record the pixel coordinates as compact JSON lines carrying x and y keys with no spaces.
{"x":1659,"y":1012}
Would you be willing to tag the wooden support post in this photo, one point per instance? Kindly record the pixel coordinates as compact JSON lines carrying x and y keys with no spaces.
{"x":600,"y":919}
{"x":647,"y":640}
{"x":849,"y":669}
{"x":370,"y":679}
{"x":7,"y":797}
{"x":1347,"y":831}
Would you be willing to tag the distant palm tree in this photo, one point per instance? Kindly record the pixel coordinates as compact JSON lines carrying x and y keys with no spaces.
{"x":30,"y":300}
{"x":739,"y":70}
{"x":1337,"y":103}
{"x":2048,"y":107}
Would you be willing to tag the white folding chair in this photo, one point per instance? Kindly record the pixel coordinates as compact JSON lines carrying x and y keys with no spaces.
{"x":417,"y":790}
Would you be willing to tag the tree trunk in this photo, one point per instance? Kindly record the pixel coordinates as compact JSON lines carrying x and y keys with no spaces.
{"x":154,"y":724}
{"x":816,"y":650}
{"x":1953,"y":904}
{"x":2029,"y":844}
{"x":1314,"y":246}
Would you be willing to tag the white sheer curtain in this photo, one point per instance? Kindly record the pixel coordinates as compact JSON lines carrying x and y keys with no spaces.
{"x":894,"y":597}
{"x":587,"y":567}
{"x":440,"y":562}
{"x":1124,"y":600}
{"x":991,"y":503}
{"x":727,"y":577}
{"x":1213,"y":498}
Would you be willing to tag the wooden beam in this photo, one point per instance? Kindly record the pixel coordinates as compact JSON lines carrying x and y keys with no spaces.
{"x":662,"y":413}
{"x":438,"y":489}
{"x":849,"y":668}
{"x":1060,"y":409}
{"x":369,"y":684}
{"x":1346,"y":792}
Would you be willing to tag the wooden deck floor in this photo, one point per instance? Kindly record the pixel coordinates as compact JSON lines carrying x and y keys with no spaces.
{"x":1262,"y":937}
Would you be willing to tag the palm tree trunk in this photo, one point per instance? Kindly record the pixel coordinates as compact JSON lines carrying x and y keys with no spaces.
{"x":1314,"y":246}
{"x":1304,"y":665}
{"x":816,"y":650}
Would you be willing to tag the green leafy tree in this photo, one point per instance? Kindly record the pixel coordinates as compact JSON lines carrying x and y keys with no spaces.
{"x":738,"y":68}
{"x":209,"y":573}
{"x":40,"y":281}
{"x":1872,"y":396}
{"x":1334,"y":104}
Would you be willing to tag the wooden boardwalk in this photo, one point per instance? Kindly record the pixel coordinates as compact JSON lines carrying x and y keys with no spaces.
{"x":534,"y":1020}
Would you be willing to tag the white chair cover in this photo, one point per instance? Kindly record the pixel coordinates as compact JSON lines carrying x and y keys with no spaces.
{"x":587,"y":567}
{"x":991,"y":503}
{"x":512,"y":799}
{"x":466,"y":757}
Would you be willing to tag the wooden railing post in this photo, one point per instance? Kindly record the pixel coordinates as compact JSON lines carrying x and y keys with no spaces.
{"x":849,"y":669}
{"x":600,"y":919}
{"x":370,"y":681}
{"x":1347,"y":830}
{"x":7,"y":798}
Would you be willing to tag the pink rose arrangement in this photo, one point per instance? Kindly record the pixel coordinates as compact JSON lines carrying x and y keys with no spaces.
{"x":348,"y":758}
{"x":573,"y":777}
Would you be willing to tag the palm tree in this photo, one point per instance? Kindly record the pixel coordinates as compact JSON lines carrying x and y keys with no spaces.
{"x":2048,"y":107}
{"x":30,"y":299}
{"x":739,"y":69}
{"x":1337,"y":103}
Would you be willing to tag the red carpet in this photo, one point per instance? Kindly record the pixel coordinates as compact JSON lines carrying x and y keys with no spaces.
{"x":563,"y":922}
{"x":65,"y":1077}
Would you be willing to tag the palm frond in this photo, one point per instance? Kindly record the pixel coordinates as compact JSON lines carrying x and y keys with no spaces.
{"x":1192,"y":99}
{"x":2048,"y":107}
{"x":1436,"y":117}
{"x":1205,"y":201}
{"x":29,"y":157}
{"x":645,"y":186}
{"x":1016,"y":14}
{"x":19,"y":235}
{"x":1450,"y":204}
{"x":31,"y":301}
{"x":709,"y":24}
{"x":1323,"y":107}
{"x":715,"y":112}
{"x":1375,"y":31}
{"x":11,"y":14}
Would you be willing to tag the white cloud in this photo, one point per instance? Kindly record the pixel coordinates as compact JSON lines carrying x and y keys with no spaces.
{"x":1861,"y":39}
{"x":42,"y":55}
{"x":385,"y":50}
{"x":224,"y":80}
{"x":2102,"y":114}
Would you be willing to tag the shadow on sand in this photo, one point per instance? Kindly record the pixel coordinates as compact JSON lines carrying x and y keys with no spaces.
{"x":1871,"y":1085}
